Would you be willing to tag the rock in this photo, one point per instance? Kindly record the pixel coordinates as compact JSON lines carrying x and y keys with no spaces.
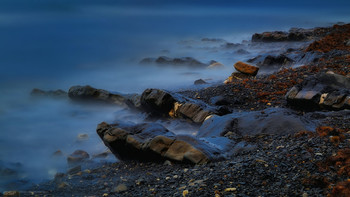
{"x":236,"y":75}
{"x":153,"y":142}
{"x":272,"y":121}
{"x":200,"y":82}
{"x":74,"y":170}
{"x":295,"y":34}
{"x":212,"y":40}
{"x":246,"y":68}
{"x":157,"y":102}
{"x":164,"y":60}
{"x":82,"y":137}
{"x":324,"y":90}
{"x":88,"y":93}
{"x":162,"y":103}
{"x":192,"y":111}
{"x":347,"y":43}
{"x":78,"y":156}
{"x":51,"y":93}
{"x":219,"y":100}
{"x":231,"y":45}
{"x":120,"y":188}
{"x":214,"y":64}
{"x":11,"y":194}
{"x":280,"y":60}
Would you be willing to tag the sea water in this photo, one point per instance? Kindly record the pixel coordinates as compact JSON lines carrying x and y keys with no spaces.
{"x":55,"y":44}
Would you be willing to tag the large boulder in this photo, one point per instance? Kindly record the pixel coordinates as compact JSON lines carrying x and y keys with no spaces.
{"x":280,"y":60}
{"x":157,"y":102}
{"x":246,"y":68}
{"x":270,"y":121}
{"x":165,"y":104}
{"x":88,"y":93}
{"x":153,"y":142}
{"x":324,"y":90}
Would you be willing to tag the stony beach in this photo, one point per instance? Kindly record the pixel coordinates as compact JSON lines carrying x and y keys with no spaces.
{"x":284,"y":133}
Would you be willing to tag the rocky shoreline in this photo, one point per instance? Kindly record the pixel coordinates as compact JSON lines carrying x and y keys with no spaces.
{"x":284,"y":133}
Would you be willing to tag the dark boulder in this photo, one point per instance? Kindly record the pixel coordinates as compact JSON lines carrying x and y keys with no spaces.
{"x":153,"y":142}
{"x":165,"y":104}
{"x":321,"y":91}
{"x":199,"y":82}
{"x":280,"y":60}
{"x":88,"y":93}
{"x":271,"y":121}
{"x":157,"y":102}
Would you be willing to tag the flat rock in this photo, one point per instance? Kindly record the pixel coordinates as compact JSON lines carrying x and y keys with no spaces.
{"x":153,"y":142}
{"x":271,"y":121}
{"x":321,"y":91}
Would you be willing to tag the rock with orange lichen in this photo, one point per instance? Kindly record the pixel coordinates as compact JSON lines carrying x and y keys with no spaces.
{"x":342,"y":189}
{"x":336,"y":40}
{"x":324,"y":90}
{"x":246,"y":68}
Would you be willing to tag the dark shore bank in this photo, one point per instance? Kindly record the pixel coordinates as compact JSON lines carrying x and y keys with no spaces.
{"x":284,"y":133}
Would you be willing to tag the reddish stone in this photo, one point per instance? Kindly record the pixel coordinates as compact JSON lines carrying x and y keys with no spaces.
{"x":246,"y":68}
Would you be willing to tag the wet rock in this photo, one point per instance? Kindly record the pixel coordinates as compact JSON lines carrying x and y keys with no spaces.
{"x":231,"y":45}
{"x":51,"y":93}
{"x":82,"y":137}
{"x":164,"y":60}
{"x":157,"y":102}
{"x":272,"y":121}
{"x":153,"y":142}
{"x":347,"y":43}
{"x":219,"y":100}
{"x":242,"y":52}
{"x":212,"y":40}
{"x":280,"y":60}
{"x":324,"y":90}
{"x":162,"y":103}
{"x":236,"y":75}
{"x":246,"y":68}
{"x":294,"y":34}
{"x":78,"y":156}
{"x":88,"y":93}
{"x":214,"y":64}
{"x":11,"y":194}
{"x":74,"y":170}
{"x":199,"y":82}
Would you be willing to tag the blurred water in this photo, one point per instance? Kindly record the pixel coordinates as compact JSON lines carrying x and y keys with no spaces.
{"x":59,"y":43}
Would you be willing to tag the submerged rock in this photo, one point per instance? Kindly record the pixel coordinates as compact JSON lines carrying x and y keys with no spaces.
{"x":199,"y":82}
{"x":78,"y":156}
{"x":183,"y":61}
{"x":246,"y":68}
{"x":88,"y":93}
{"x":153,"y":142}
{"x":324,"y":90}
{"x":50,"y":93}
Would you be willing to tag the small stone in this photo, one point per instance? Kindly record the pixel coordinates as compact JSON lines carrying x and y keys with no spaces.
{"x":199,"y":82}
{"x":185,"y":170}
{"x":305,"y":194}
{"x":184,"y":193}
{"x":120,"y":188}
{"x":62,"y":185}
{"x":167,"y":178}
{"x":167,"y":163}
{"x":83,"y":137}
{"x":11,"y":194}
{"x":231,"y":189}
{"x":175,"y":176}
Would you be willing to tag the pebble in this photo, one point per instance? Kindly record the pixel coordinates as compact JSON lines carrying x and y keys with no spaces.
{"x":120,"y":188}
{"x":11,"y":194}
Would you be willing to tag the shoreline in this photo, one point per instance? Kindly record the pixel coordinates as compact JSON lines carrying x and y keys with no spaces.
{"x":277,"y":164}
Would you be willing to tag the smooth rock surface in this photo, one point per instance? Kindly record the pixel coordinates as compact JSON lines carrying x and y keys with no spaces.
{"x":246,"y":68}
{"x":153,"y":142}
